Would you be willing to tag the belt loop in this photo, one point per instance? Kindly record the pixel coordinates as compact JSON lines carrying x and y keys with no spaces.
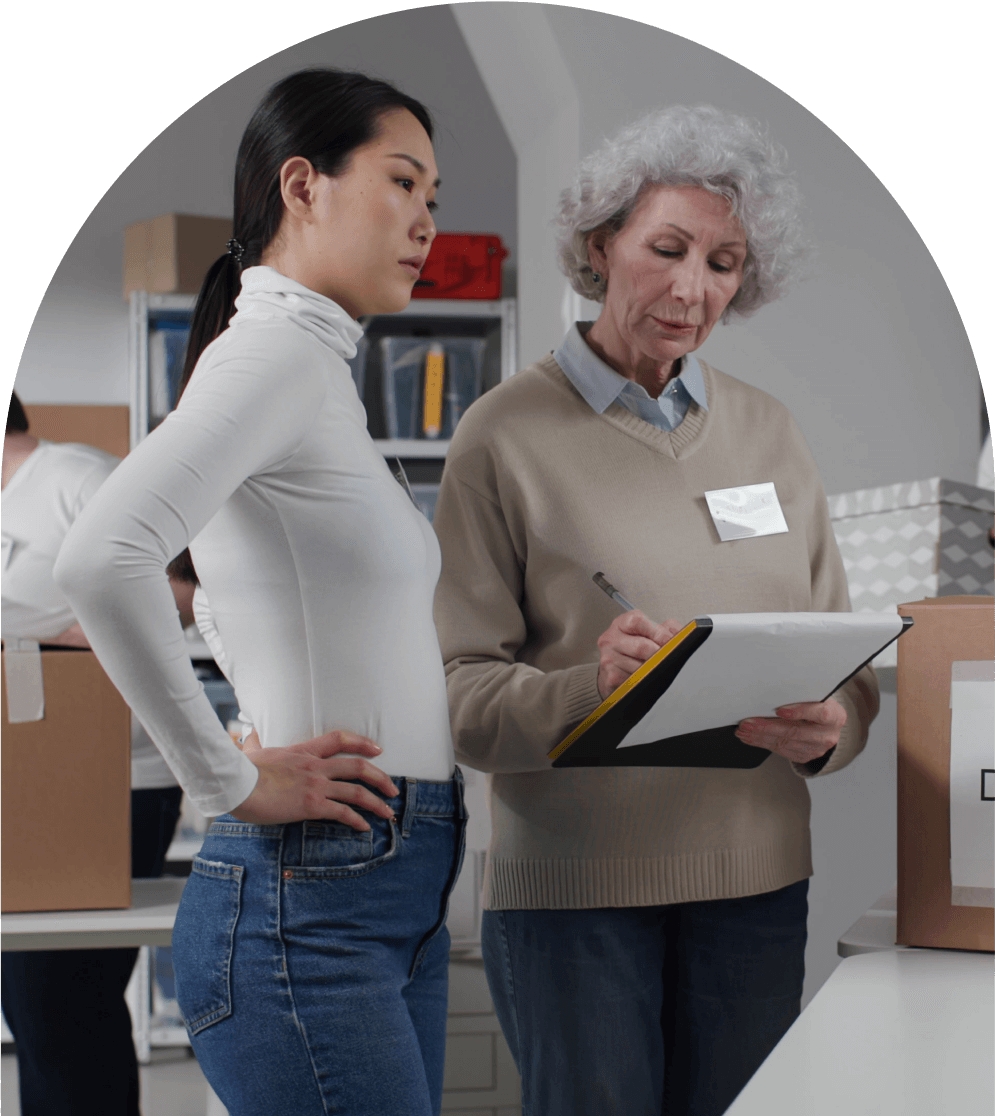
{"x":460,"y":784}
{"x":410,"y":802}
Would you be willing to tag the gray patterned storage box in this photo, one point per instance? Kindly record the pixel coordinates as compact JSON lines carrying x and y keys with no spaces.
{"x":912,"y":540}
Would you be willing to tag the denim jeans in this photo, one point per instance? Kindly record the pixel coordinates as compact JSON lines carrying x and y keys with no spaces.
{"x":646,"y":1010}
{"x":312,"y":960}
{"x":66,"y":1008}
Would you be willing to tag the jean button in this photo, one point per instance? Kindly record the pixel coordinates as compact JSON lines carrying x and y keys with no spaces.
{"x":287,"y":874}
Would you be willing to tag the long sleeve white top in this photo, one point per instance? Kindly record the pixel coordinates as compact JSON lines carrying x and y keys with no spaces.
{"x":40,"y":503}
{"x":319,"y":570}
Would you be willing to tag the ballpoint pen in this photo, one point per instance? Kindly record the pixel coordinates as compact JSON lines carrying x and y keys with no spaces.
{"x":402,"y":477}
{"x":602,"y":582}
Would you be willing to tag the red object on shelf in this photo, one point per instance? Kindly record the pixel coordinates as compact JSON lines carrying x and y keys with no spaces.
{"x":462,"y":265}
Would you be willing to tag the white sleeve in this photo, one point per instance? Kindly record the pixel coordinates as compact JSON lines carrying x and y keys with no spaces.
{"x":33,"y":607}
{"x":93,"y":480}
{"x":241,"y":415}
{"x":212,"y":637}
{"x":208,"y":629}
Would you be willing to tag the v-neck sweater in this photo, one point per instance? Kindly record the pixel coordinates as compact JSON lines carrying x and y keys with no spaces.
{"x":539,"y":492}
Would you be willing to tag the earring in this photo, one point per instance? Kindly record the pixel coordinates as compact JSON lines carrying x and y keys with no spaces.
{"x":596,"y":276}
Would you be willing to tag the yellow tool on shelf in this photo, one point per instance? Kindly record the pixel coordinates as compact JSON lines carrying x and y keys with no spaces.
{"x":435,"y":375}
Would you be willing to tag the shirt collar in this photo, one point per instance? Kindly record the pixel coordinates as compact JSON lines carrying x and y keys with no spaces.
{"x":601,"y":385}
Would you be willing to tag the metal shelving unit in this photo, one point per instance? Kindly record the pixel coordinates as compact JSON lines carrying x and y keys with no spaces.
{"x":147,"y":311}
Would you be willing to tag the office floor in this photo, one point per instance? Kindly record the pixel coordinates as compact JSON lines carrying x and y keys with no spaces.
{"x":172,"y":1085}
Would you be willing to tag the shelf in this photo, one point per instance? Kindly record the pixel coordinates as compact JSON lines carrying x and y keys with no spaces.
{"x":416,"y":308}
{"x":411,"y":447}
{"x":452,"y":308}
{"x":171,"y":302}
{"x":167,"y":1033}
{"x":185,"y":849}
{"x":145,"y":309}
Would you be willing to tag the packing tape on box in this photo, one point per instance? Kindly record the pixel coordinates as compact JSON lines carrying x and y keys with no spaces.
{"x":25,"y":685}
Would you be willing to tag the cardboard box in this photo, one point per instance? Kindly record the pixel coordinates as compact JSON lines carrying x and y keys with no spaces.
{"x":947,"y":630}
{"x":97,"y":424}
{"x":917,"y":539}
{"x":171,"y":254}
{"x":66,"y":785}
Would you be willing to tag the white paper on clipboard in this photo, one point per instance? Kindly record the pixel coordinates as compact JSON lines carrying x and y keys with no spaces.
{"x":972,"y":771}
{"x":753,"y":662}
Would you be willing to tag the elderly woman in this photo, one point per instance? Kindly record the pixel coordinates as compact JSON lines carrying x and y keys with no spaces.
{"x":645,"y":928}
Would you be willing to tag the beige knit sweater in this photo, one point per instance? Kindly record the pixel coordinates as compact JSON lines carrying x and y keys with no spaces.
{"x":538,"y":493}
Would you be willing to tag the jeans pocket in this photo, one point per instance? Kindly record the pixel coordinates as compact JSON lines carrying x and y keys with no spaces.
{"x":336,"y":849}
{"x":203,"y":942}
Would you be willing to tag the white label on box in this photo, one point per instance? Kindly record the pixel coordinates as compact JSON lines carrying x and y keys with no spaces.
{"x":972,"y":784}
{"x":25,"y":686}
{"x":746,"y":512}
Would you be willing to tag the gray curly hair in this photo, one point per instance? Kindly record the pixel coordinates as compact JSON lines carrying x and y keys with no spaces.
{"x":690,"y":146}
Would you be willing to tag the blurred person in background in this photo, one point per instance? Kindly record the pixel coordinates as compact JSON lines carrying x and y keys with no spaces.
{"x":66,"y":1008}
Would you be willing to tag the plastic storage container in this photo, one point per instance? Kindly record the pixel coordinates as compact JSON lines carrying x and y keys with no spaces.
{"x":404,"y":362}
{"x":167,"y":352}
{"x":462,"y":265}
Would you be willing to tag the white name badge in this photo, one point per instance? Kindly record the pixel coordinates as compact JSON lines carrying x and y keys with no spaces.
{"x":746,"y":512}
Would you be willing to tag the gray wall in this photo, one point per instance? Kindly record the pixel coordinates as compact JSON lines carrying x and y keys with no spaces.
{"x":869,"y":353}
{"x":77,"y":349}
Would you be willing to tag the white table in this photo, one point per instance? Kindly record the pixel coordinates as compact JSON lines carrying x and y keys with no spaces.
{"x":148,"y":921}
{"x":874,"y":930}
{"x":893,"y":1032}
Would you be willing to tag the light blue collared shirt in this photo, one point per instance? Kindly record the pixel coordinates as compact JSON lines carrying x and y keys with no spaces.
{"x":601,"y":385}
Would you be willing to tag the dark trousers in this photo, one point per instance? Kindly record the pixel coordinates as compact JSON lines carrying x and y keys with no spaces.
{"x":638,"y":1011}
{"x":66,"y":1008}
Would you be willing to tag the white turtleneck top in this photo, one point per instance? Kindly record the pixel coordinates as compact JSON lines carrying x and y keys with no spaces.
{"x":319,"y":570}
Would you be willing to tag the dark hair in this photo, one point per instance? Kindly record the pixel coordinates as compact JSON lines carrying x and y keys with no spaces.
{"x":322,"y":115}
{"x":181,"y":568}
{"x":17,"y":420}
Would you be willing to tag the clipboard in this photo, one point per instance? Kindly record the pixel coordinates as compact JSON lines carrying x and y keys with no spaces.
{"x":803,"y":650}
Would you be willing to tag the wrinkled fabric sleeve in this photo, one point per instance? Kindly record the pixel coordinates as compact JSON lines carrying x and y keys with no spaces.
{"x":240,"y":416}
{"x":506,"y":715}
{"x":32,"y":609}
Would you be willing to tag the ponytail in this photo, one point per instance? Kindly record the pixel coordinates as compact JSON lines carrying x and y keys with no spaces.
{"x":214,"y":309}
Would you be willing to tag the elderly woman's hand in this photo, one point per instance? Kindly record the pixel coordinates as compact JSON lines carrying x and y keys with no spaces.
{"x":627,"y":644}
{"x":800,"y":733}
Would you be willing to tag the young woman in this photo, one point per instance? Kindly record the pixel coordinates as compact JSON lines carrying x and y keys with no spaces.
{"x":310,"y":947}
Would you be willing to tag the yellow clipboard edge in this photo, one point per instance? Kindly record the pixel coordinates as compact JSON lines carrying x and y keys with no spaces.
{"x":633,"y":680}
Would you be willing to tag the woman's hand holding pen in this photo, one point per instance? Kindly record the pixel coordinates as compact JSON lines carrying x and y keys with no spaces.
{"x":303,"y":781}
{"x":631,"y":639}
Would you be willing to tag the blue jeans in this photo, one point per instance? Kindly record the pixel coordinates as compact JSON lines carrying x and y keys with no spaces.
{"x":312,"y":960}
{"x":646,"y":1010}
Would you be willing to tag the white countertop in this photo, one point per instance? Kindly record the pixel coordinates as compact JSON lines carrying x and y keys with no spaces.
{"x":874,"y":930}
{"x":148,"y":921}
{"x":891,"y":1033}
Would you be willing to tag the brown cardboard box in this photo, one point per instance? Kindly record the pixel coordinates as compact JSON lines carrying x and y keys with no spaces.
{"x":946,"y":630}
{"x":171,"y":254}
{"x":66,"y":784}
{"x":96,"y":424}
